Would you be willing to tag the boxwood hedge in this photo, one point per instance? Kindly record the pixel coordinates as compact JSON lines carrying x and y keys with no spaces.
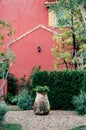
{"x":63,"y":86}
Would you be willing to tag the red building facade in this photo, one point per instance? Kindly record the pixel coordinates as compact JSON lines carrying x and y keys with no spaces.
{"x":33,"y":40}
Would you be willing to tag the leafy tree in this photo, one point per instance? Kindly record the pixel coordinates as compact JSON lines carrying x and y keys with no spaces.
{"x":62,"y":50}
{"x":72,"y":14}
{"x":82,"y":58}
{"x":7,"y":56}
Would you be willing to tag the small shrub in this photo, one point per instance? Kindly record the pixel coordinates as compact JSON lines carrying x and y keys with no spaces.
{"x":25,"y":83}
{"x":80,"y":103}
{"x":9,"y":98}
{"x":14,"y":101}
{"x":83,"y":127}
{"x":12,"y":84}
{"x":41,"y":89}
{"x":11,"y":127}
{"x":3,"y":110}
{"x":12,"y":88}
{"x":25,"y":101}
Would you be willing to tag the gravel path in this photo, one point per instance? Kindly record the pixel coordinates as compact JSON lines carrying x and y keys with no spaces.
{"x":55,"y":120}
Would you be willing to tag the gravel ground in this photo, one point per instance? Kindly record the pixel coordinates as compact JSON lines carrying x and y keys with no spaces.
{"x":55,"y":120}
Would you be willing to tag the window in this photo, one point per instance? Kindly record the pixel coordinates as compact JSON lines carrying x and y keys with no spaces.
{"x":52,"y":19}
{"x":61,"y":20}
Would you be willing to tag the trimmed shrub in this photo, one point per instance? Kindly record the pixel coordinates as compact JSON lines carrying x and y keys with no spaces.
{"x":40,"y":78}
{"x":63,"y":85}
{"x":3,"y":110}
{"x":25,"y":101}
{"x":80,"y":103}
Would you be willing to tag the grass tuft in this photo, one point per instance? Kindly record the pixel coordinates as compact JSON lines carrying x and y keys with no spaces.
{"x":80,"y":128}
{"x":11,"y":127}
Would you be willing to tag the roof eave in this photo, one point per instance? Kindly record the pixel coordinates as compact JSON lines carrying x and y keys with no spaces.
{"x":48,"y":4}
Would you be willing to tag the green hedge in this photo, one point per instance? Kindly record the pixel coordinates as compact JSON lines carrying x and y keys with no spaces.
{"x":39,"y":78}
{"x":63,"y":86}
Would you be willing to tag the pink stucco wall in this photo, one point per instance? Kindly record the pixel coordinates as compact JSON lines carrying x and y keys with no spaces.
{"x":25,"y":15}
{"x":27,"y":55}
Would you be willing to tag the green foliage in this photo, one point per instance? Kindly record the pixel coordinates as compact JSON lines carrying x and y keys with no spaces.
{"x":3,"y":69}
{"x":12,"y":84}
{"x":40,"y":78}
{"x":5,"y":25}
{"x":11,"y":127}
{"x":83,"y":127}
{"x":63,"y":85}
{"x":7,"y":57}
{"x":3,"y":110}
{"x":62,"y":50}
{"x":80,"y":103}
{"x":82,"y":53}
{"x":14,"y":101}
{"x":25,"y":101}
{"x":66,"y":9}
{"x":70,"y":14}
{"x":9,"y":98}
{"x":12,"y":89}
{"x":41,"y":89}
{"x":10,"y":55}
{"x":25,"y":83}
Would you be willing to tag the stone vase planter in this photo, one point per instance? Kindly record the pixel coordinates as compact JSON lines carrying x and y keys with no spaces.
{"x":41,"y":104}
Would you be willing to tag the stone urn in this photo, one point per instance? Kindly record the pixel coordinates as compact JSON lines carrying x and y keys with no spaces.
{"x":41,"y":104}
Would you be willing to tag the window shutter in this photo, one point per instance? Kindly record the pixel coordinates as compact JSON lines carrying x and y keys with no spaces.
{"x":51,"y":18}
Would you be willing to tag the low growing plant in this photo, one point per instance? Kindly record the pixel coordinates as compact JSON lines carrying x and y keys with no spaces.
{"x":3,"y":110}
{"x":25,"y":83}
{"x":14,"y":100}
{"x":25,"y":101}
{"x":12,"y":88}
{"x":10,"y":127}
{"x":9,"y":98}
{"x":12,"y":84}
{"x":80,"y":103}
{"x":83,"y":127}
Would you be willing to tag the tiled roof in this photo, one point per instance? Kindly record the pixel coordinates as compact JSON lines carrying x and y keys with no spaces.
{"x":50,"y":2}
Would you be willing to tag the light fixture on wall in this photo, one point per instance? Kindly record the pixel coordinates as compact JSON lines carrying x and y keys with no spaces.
{"x":39,"y":49}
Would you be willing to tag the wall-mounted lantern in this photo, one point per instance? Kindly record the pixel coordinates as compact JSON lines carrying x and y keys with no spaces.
{"x":39,"y":49}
